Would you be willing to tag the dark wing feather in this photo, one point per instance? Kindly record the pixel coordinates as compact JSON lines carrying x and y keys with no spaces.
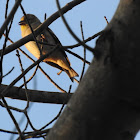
{"x":57,"y":42}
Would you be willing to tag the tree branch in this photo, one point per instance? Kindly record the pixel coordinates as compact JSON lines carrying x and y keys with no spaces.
{"x":10,"y":16}
{"x":37,"y":96}
{"x":106,"y":103}
{"x":45,"y":24}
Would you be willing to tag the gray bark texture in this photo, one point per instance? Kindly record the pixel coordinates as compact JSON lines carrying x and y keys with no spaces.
{"x":106,"y":105}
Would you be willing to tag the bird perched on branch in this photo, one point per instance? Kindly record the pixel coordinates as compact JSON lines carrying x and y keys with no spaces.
{"x":47,"y":41}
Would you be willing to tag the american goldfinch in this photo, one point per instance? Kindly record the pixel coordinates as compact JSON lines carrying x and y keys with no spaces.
{"x":58,"y":58}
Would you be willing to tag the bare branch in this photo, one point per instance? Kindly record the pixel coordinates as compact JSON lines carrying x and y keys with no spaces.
{"x":10,"y":16}
{"x":106,"y":20}
{"x":29,"y":121}
{"x":6,"y":9}
{"x":76,"y":55}
{"x":13,"y":118}
{"x":76,"y":80}
{"x":37,"y":96}
{"x":85,"y":41}
{"x":57,"y":86}
{"x":3,"y":93}
{"x":56,"y":117}
{"x":30,"y":77}
{"x":24,"y":79}
{"x":4,"y":46}
{"x":8,"y":72}
{"x":84,"y":52}
{"x":10,"y":132}
{"x":72,"y":33}
{"x":45,"y":24}
{"x":32,"y":134}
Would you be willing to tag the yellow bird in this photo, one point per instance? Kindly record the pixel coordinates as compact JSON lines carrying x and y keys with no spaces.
{"x":58,"y":58}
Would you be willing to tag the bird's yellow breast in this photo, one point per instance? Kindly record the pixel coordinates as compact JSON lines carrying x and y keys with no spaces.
{"x":23,"y":27}
{"x":25,"y":30}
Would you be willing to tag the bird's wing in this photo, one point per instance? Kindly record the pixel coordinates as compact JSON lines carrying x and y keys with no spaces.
{"x":53,"y":36}
{"x":47,"y":36}
{"x":58,"y":42}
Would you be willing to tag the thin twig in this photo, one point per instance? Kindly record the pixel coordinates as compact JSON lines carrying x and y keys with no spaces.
{"x":19,"y":110}
{"x":24,"y":79}
{"x":76,"y":55}
{"x":84,"y":52}
{"x":25,"y":127}
{"x":13,"y":118}
{"x":96,"y":53}
{"x":76,"y":80}
{"x":4,"y":45}
{"x":5,"y":27}
{"x":36,"y":134}
{"x":85,"y":41}
{"x":45,"y":16}
{"x":10,"y":16}
{"x":43,"y":26}
{"x":55,"y":118}
{"x":57,"y":86}
{"x":6,"y":9}
{"x":12,"y":108}
{"x":30,"y":77}
{"x":29,"y":121}
{"x":10,"y":132}
{"x":106,"y":20}
{"x":27,"y":70}
{"x":1,"y":60}
{"x":32,"y":134}
{"x":8,"y":72}
{"x":25,"y":113}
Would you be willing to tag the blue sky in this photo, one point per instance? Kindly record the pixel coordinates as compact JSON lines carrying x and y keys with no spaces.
{"x":91,"y":13}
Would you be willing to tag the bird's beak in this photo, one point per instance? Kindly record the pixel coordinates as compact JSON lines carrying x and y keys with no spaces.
{"x":22,"y":22}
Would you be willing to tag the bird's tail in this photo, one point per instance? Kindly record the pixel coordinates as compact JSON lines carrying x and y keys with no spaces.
{"x":71,"y":73}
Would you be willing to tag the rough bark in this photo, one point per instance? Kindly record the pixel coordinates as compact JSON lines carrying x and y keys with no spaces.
{"x":106,"y":103}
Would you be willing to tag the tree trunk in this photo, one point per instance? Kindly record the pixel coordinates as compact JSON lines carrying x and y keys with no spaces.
{"x":107,"y":102}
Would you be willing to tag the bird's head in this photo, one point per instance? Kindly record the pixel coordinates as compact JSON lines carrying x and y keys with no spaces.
{"x":25,"y":21}
{"x":28,"y":18}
